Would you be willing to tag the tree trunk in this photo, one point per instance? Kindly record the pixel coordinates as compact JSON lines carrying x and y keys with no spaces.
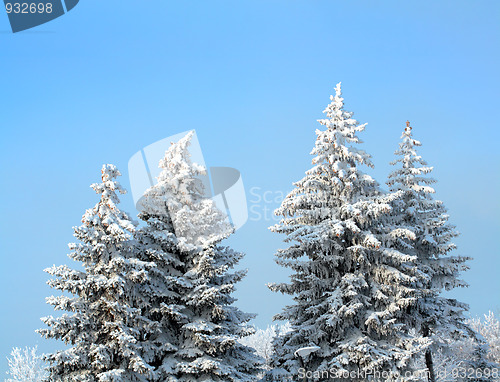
{"x":428,"y":357}
{"x":301,"y":361}
{"x":430,"y":366}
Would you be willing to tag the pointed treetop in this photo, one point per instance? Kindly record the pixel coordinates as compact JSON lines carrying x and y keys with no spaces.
{"x":109,"y":172}
{"x":335,"y":144}
{"x":338,"y":90}
{"x":109,"y":185}
{"x":180,"y":194}
{"x":408,"y":127}
{"x":180,"y":175}
{"x":337,"y":104}
{"x":106,"y":210}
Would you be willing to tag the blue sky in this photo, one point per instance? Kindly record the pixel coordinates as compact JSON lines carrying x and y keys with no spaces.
{"x":252,"y":77}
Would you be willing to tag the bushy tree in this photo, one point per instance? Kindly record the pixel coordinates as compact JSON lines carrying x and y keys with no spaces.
{"x":489,"y":329}
{"x":262,"y":340}
{"x":453,"y":363}
{"x":104,"y":325}
{"x":25,"y":365}
{"x":190,"y":288}
{"x":352,"y":289}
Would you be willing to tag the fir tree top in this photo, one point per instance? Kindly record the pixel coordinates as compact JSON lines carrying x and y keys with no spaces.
{"x":335,"y":180}
{"x":105,"y":222}
{"x":409,"y":175}
{"x":180,"y":197}
{"x":427,"y":217}
{"x":115,"y":221}
{"x":334,"y":145}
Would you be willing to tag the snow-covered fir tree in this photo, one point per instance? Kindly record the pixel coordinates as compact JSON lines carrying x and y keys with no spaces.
{"x":190,"y":288}
{"x":351,"y":288}
{"x":442,"y":319}
{"x":104,"y":324}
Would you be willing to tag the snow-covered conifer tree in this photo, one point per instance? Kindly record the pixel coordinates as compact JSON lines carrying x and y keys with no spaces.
{"x":104,"y":324}
{"x":191,"y":286}
{"x":351,"y":289}
{"x":442,"y":319}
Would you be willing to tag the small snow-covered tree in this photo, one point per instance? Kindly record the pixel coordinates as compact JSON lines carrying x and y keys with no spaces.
{"x":351,"y":288}
{"x":453,"y":363}
{"x":191,"y":286}
{"x":417,"y":211}
{"x":105,"y":325}
{"x":489,"y":329}
{"x":25,"y":365}
{"x":262,"y":340}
